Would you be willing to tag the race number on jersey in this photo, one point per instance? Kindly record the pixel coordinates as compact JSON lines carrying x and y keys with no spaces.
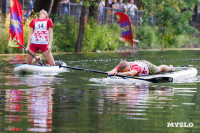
{"x":40,"y":35}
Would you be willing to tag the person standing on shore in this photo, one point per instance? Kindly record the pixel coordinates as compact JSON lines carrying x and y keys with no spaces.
{"x":131,"y":7}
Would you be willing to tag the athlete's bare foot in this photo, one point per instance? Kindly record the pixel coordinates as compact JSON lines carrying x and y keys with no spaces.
{"x":171,"y":68}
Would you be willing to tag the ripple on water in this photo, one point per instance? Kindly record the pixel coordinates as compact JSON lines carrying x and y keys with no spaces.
{"x":135,"y":102}
{"x":33,"y":106}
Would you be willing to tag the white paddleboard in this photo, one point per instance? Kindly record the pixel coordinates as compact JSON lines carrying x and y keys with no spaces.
{"x":39,"y":69}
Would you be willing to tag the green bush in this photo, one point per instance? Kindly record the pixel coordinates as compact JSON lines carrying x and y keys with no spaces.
{"x":147,"y":37}
{"x":65,"y":34}
{"x":172,"y":40}
{"x":150,"y":37}
{"x":101,"y":37}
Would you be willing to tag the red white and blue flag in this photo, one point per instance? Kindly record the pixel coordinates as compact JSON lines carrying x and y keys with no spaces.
{"x":16,"y":24}
{"x":126,"y":28}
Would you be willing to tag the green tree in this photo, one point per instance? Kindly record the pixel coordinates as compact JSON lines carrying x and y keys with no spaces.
{"x":172,"y":16}
{"x":93,"y":5}
{"x":93,"y":8}
{"x":78,"y":47}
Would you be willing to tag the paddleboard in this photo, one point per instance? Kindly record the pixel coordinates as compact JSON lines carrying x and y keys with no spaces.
{"x":181,"y":74}
{"x":29,"y":68}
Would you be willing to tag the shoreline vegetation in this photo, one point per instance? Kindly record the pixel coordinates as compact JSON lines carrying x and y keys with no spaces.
{"x":101,"y":38}
{"x":114,"y":51}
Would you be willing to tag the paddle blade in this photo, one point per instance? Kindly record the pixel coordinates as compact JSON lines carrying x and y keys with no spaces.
{"x":160,"y":80}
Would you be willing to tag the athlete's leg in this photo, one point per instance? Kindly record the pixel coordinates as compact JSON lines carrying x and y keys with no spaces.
{"x":29,"y":57}
{"x":153,"y":69}
{"x":165,"y":68}
{"x":49,"y":58}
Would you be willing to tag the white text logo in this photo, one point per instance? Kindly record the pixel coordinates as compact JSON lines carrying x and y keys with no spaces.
{"x":179,"y":124}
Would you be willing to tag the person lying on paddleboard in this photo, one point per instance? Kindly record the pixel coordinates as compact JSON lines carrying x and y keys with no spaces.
{"x":40,"y":38}
{"x":139,"y":68}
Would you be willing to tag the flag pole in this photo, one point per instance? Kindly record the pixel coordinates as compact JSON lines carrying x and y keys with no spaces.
{"x":23,"y":52}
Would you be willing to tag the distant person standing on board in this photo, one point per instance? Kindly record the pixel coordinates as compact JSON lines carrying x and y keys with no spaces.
{"x":40,"y":37}
{"x":131,"y":7}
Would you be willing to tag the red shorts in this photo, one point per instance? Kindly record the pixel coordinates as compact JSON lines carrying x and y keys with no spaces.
{"x":36,"y":47}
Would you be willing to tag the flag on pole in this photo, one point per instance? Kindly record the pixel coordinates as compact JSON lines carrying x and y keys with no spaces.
{"x":16,"y":24}
{"x":126,"y":28}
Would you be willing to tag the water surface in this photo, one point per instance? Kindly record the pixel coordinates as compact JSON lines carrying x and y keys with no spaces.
{"x":71,"y":102}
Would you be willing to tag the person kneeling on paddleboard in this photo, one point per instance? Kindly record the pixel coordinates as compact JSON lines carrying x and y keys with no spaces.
{"x":40,"y":37}
{"x":139,"y":68}
{"x":39,"y":57}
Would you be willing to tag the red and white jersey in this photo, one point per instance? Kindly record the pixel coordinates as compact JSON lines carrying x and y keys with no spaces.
{"x":41,"y":27}
{"x":138,"y":66}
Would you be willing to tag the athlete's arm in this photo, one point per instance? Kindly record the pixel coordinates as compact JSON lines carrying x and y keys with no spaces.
{"x":130,"y":73}
{"x":50,"y":38}
{"x":113,"y":72}
{"x":29,"y":39}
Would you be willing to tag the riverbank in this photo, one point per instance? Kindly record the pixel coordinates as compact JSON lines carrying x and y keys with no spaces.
{"x":127,"y":50}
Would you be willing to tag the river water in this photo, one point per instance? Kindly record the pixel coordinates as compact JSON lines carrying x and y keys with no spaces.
{"x":72,"y":102}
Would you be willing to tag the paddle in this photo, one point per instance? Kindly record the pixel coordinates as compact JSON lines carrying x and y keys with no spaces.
{"x":30,"y":53}
{"x":153,"y":79}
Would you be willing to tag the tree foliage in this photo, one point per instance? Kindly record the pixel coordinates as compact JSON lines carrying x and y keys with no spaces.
{"x":172,"y":16}
{"x":93,"y":8}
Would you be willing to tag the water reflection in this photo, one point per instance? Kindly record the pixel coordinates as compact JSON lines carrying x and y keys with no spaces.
{"x":40,"y":109}
{"x":37,"y":80}
{"x":32,"y":80}
{"x":28,"y":109}
{"x":35,"y":106}
{"x":6,"y":68}
{"x":14,"y":100}
{"x":135,"y":101}
{"x":131,"y":100}
{"x":17,"y":59}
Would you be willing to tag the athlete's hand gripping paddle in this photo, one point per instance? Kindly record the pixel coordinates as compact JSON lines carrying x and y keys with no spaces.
{"x":30,"y":53}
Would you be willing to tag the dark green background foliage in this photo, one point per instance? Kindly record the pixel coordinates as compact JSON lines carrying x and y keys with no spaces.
{"x":65,"y":34}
